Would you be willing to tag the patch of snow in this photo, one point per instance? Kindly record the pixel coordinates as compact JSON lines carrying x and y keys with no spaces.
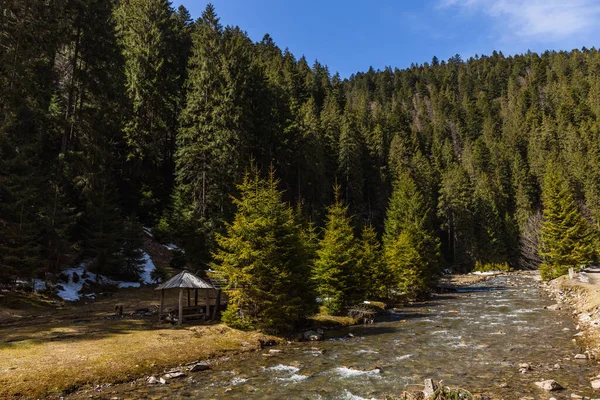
{"x":173,"y":247}
{"x":146,"y":275}
{"x":148,"y":231}
{"x":39,"y":285}
{"x":69,"y":290}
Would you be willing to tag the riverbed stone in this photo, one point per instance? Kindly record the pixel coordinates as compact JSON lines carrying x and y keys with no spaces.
{"x":554,"y":307}
{"x":152,"y":380}
{"x":312,"y":336}
{"x":174,"y":375}
{"x":595,"y":384}
{"x":275,"y":351}
{"x":199,"y":367}
{"x":580,"y":357}
{"x":549,"y":385}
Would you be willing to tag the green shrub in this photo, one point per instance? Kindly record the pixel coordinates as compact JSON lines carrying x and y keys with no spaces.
{"x":489,"y":267}
{"x":552,"y":271}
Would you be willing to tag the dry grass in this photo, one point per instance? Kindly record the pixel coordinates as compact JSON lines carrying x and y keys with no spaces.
{"x":322,"y":318}
{"x":47,"y":350}
{"x":59,"y":358}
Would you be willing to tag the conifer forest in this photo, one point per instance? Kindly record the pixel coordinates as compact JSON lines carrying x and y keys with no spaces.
{"x":121,"y":117}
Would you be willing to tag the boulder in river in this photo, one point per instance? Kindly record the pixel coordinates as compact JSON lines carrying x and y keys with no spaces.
{"x":549,"y":385}
{"x":596,"y":383}
{"x":152,"y":380}
{"x":580,"y":357}
{"x":199,"y":367}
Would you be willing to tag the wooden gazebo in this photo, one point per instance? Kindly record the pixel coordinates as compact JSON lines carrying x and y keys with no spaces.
{"x":186,"y":281}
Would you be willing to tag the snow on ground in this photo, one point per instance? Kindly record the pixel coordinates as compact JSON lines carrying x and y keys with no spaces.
{"x":70,"y":290}
{"x":174,"y":247}
{"x":146,"y":275}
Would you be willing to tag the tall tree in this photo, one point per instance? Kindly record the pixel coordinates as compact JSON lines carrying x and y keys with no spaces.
{"x":147,"y":31}
{"x":336,"y":270}
{"x":265,"y":259}
{"x":567,"y":240}
{"x":411,"y":250}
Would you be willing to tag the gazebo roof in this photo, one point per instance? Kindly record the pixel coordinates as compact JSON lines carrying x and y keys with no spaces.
{"x":185,"y":280}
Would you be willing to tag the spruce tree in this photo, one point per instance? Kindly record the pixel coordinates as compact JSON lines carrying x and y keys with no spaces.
{"x":336,"y":270}
{"x":265,"y":260}
{"x":567,"y":240}
{"x":132,"y":253}
{"x":411,"y":250}
{"x":147,"y":36}
{"x":372,"y":268}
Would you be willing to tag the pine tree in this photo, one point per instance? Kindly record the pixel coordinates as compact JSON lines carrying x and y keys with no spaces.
{"x":265,"y":260}
{"x":132,"y":253}
{"x":567,"y":240}
{"x":373,"y":271}
{"x":336,"y":269}
{"x":411,"y":251}
{"x":147,"y":35}
{"x":214,"y":133}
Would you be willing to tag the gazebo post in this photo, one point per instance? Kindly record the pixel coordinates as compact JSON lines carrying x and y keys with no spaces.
{"x":217,"y":304}
{"x":207,"y":303}
{"x":188,"y":293}
{"x":180,"y":321}
{"x":196,"y":297}
{"x":162,"y":304}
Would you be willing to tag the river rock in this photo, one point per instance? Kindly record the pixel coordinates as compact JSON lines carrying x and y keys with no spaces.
{"x":275,"y":351}
{"x":312,"y":336}
{"x":554,"y":307}
{"x":174,"y":375}
{"x":580,"y":357}
{"x":524,"y":367}
{"x":556,"y":366}
{"x":162,"y":381}
{"x":549,"y":385}
{"x":596,"y":384}
{"x":152,"y":380}
{"x":430,"y":387}
{"x":199,"y":367}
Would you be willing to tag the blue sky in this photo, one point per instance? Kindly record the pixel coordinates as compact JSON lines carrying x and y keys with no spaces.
{"x":351,"y":35}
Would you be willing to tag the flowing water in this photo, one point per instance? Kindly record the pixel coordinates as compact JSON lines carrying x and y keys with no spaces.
{"x":474,"y":339}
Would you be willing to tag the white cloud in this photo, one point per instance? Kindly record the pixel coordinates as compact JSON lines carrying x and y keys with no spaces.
{"x":542,"y":20}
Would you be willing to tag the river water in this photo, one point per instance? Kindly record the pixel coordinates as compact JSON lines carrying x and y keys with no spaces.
{"x":474,"y":339}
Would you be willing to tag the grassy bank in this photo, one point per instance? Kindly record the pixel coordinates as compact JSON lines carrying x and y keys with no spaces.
{"x":68,"y":347}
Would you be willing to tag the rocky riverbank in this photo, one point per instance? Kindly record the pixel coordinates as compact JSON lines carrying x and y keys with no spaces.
{"x":581,"y":297}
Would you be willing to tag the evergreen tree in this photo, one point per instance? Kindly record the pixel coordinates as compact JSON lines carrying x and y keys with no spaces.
{"x":567,"y":240}
{"x":373,"y":271}
{"x":132,"y":253}
{"x":336,"y":270}
{"x":411,"y":251}
{"x":147,"y":36}
{"x":265,"y":260}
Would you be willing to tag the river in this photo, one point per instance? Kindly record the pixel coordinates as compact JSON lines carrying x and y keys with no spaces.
{"x":474,"y":339}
